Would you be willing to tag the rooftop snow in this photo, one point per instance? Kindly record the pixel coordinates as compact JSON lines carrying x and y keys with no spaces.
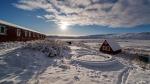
{"x":114,"y":45}
{"x":17,"y":26}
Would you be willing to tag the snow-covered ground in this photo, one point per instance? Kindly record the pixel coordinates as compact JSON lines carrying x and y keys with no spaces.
{"x":79,"y":63}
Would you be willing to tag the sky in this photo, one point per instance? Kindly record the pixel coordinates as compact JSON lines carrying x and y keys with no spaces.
{"x":78,"y":17}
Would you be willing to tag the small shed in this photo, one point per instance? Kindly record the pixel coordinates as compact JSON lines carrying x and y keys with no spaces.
{"x":69,"y":42}
{"x":110,"y":46}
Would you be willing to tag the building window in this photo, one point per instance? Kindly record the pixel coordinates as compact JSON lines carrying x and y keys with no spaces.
{"x":33,"y":34}
{"x":37,"y":35}
{"x":26,"y":33}
{"x":18,"y":32}
{"x":3,"y":30}
{"x":104,"y":48}
{"x":29,"y":34}
{"x":108,"y":48}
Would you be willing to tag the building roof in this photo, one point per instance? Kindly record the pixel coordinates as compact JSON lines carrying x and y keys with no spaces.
{"x":113,"y":44}
{"x":17,"y":26}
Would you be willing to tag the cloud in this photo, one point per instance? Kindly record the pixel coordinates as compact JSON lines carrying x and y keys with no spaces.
{"x":112,"y":13}
{"x":40,"y":17}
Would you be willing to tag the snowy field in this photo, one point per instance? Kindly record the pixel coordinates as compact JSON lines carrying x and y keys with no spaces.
{"x":56,"y":62}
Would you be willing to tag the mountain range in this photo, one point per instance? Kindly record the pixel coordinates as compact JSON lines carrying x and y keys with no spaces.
{"x":140,"y":36}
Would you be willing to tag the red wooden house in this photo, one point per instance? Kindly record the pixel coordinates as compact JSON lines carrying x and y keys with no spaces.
{"x":12,"y":32}
{"x":110,"y":47}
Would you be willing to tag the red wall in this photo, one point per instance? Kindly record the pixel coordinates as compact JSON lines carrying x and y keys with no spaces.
{"x":12,"y":35}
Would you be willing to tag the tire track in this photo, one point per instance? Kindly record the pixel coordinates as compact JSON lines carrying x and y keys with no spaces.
{"x":123,"y":76}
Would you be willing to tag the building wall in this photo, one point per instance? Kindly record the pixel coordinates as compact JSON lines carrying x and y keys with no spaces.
{"x":17,"y":34}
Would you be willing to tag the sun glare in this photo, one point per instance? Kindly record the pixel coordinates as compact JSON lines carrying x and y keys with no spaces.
{"x":64,"y":26}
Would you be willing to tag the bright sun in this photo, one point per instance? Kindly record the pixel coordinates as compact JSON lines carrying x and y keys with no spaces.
{"x":64,"y":26}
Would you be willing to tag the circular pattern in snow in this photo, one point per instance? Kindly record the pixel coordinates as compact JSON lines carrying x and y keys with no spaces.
{"x":74,"y":47}
{"x":109,"y":65}
{"x":93,"y":58}
{"x":98,"y":62}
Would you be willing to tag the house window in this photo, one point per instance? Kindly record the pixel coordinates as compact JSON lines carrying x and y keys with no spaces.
{"x":108,"y":48}
{"x":104,"y":48}
{"x":37,"y":36}
{"x":26,"y":33}
{"x":3,"y":30}
{"x":18,"y":32}
{"x":33,"y":34}
{"x":29,"y":34}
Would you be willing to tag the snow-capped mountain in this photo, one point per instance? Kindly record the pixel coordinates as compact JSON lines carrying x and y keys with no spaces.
{"x":140,"y":36}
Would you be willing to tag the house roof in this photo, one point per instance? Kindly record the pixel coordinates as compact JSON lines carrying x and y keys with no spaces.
{"x":17,"y":26}
{"x":113,"y":44}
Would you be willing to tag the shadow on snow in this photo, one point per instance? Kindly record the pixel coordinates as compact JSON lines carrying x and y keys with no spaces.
{"x":22,"y":64}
